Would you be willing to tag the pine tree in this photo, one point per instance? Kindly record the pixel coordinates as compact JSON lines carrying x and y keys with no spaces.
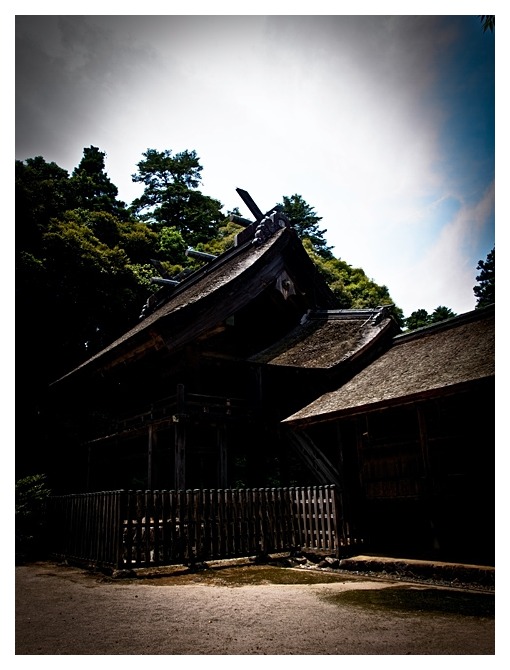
{"x":485,"y":292}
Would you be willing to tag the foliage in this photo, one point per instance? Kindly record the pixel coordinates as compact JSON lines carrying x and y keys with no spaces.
{"x":81,"y":262}
{"x":305,"y":222}
{"x":31,"y":493}
{"x":101,"y":294}
{"x":351,"y":285}
{"x":417,"y":319}
{"x":421,"y":317}
{"x":84,"y":288}
{"x":91,"y":187}
{"x":171,"y":197}
{"x":172,"y":245}
{"x":488,"y":23}
{"x":485,"y":292}
{"x":441,"y":313}
{"x":225,"y":239}
{"x":42,"y":191}
{"x":143,"y":272}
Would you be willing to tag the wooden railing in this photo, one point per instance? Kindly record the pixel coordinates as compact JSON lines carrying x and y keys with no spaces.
{"x":124,"y":529}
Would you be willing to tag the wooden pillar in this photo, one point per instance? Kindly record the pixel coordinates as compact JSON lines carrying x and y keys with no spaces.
{"x":341,"y":491}
{"x":180,"y":455}
{"x":89,"y":468}
{"x":151,"y":446}
{"x":428,"y":475}
{"x":424,"y":446}
{"x":180,"y":441}
{"x":221,"y":432}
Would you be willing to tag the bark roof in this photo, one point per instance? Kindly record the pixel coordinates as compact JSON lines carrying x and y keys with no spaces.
{"x":427,"y":361}
{"x":211,"y":293}
{"x":325,"y":339}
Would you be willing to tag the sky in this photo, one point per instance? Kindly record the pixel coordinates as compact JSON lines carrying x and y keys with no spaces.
{"x":384,"y":124}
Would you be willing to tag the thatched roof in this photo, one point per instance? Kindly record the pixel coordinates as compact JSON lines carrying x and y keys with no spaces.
{"x":213,"y":293}
{"x":432,"y":360}
{"x":325,"y":339}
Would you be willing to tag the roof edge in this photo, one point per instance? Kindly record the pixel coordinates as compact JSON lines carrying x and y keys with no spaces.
{"x":452,"y":322}
{"x":441,"y":391}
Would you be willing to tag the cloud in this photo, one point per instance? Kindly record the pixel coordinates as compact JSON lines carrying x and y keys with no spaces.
{"x":448,"y":266}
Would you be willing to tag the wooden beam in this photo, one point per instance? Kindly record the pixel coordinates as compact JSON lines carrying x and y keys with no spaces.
{"x":250,"y":203}
{"x":319,"y":464}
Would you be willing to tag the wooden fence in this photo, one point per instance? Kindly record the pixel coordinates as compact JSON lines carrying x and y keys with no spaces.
{"x":125,"y":529}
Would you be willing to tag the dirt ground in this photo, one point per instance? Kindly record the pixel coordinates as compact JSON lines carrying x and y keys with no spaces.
{"x":244,"y":610}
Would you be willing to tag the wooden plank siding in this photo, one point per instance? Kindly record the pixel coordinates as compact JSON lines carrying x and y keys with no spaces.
{"x":130,"y":529}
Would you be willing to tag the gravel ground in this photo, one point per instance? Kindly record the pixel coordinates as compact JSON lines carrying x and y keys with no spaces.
{"x":244,"y":610}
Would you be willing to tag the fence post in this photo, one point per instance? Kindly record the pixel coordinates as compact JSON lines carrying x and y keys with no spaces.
{"x":338,"y":525}
{"x":120,"y":508}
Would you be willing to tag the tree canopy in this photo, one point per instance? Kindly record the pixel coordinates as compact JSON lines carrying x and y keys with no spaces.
{"x":91,"y":187}
{"x":351,"y":286}
{"x":171,"y":197}
{"x":421,"y":317}
{"x":488,"y":23}
{"x":305,"y":221}
{"x":42,"y":191}
{"x":485,"y":290}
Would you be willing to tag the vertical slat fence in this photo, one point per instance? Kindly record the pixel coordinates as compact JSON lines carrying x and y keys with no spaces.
{"x":87,"y":527}
{"x":128,"y":529}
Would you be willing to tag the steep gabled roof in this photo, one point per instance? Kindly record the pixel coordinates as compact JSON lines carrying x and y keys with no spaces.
{"x":326,"y":338}
{"x":430,"y":361}
{"x":215,"y":292}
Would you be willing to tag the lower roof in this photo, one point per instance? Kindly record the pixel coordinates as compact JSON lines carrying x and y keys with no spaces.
{"x":431,"y":360}
{"x":326,"y":338}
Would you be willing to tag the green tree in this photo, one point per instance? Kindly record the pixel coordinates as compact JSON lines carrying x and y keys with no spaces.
{"x":485,"y":291}
{"x":31,"y":492}
{"x":225,"y":238}
{"x":42,"y":191}
{"x":91,"y":187}
{"x":351,"y":286}
{"x":171,"y":197}
{"x":441,"y":313}
{"x":305,"y":221}
{"x":172,"y":245}
{"x":417,"y":319}
{"x":488,"y":23}
{"x":92,"y":285}
{"x":421,"y":317}
{"x":81,"y":272}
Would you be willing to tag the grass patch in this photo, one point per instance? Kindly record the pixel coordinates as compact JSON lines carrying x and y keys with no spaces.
{"x":246,"y":575}
{"x":417,"y":600}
